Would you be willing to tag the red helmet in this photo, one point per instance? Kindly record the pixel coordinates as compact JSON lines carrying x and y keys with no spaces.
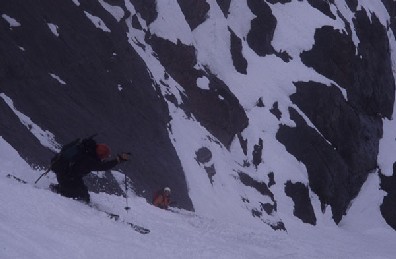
{"x":102,"y":151}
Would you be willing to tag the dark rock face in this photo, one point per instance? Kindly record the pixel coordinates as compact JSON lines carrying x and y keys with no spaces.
{"x":352,"y":4}
{"x":271,"y":179}
{"x":243,"y":142}
{"x":391,"y":8}
{"x":211,"y":171}
{"x":238,"y":59}
{"x":203,"y":155}
{"x":195,"y":11}
{"x":224,"y":6}
{"x":388,"y":205}
{"x":262,"y":28}
{"x":345,"y":154}
{"x":217,"y":109}
{"x":257,"y":153}
{"x":268,"y":208}
{"x":350,"y":130}
{"x":368,"y":78}
{"x":323,"y":6}
{"x":275,"y":111}
{"x":355,"y":137}
{"x":105,"y":87}
{"x":10,"y":127}
{"x":146,"y":8}
{"x":259,"y":186}
{"x":302,"y":203}
{"x":278,"y":1}
{"x":93,"y":64}
{"x":327,"y":172}
{"x":107,"y":184}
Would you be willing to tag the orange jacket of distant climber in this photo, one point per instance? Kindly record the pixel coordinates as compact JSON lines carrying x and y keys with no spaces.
{"x":162,"y":198}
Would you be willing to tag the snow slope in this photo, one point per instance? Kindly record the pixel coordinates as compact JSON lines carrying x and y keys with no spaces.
{"x":36,"y":223}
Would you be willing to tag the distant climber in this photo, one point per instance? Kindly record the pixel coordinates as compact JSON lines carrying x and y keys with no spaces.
{"x":76,"y":160}
{"x":162,"y":198}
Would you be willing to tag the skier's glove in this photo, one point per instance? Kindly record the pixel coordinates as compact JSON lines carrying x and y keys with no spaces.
{"x":123,"y":157}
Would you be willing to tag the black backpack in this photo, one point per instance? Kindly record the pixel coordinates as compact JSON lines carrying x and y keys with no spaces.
{"x":72,"y":153}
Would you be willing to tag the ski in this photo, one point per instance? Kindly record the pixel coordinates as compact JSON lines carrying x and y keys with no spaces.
{"x":115,"y":217}
{"x":10,"y":176}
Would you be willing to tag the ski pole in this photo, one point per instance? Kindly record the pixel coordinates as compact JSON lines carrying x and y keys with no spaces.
{"x":126,"y":194}
{"x":126,"y":188}
{"x":47,"y":171}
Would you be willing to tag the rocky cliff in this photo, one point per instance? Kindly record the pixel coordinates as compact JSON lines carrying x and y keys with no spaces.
{"x":266,"y":106}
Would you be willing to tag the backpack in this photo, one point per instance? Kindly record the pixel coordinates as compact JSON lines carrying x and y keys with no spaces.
{"x":72,"y":153}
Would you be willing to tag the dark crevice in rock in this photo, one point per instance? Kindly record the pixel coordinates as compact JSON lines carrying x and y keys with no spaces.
{"x":262,"y":28}
{"x":302,"y":203}
{"x":390,"y":6}
{"x":323,"y":6}
{"x":278,"y":1}
{"x":284,"y":56}
{"x":195,"y":11}
{"x":352,"y":4}
{"x":271,"y":179}
{"x":259,"y":186}
{"x":257,"y":153}
{"x":275,"y":111}
{"x":147,"y":9}
{"x":260,"y":103}
{"x":238,"y":59}
{"x":268,"y":207}
{"x":245,"y":200}
{"x":388,"y":184}
{"x":211,"y":171}
{"x":224,"y":6}
{"x":135,"y":23}
{"x":347,"y":24}
{"x":243,"y":142}
{"x":278,"y":226}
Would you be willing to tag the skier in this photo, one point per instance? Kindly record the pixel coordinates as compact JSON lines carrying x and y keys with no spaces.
{"x":70,"y":171}
{"x":162,"y":198}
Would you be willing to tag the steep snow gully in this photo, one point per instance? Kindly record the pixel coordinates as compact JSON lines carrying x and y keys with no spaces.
{"x":271,"y":121}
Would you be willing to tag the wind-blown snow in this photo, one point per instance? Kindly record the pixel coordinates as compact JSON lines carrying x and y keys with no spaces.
{"x":57,"y":78}
{"x":76,"y":2}
{"x":296,"y":25}
{"x":170,"y":23}
{"x":203,"y":83}
{"x":115,"y":11}
{"x":99,"y":23}
{"x":46,"y":138}
{"x":377,"y":8}
{"x":11,"y":21}
{"x":53,"y":28}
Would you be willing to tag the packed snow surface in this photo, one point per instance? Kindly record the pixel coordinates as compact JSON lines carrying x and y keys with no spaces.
{"x":36,"y":223}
